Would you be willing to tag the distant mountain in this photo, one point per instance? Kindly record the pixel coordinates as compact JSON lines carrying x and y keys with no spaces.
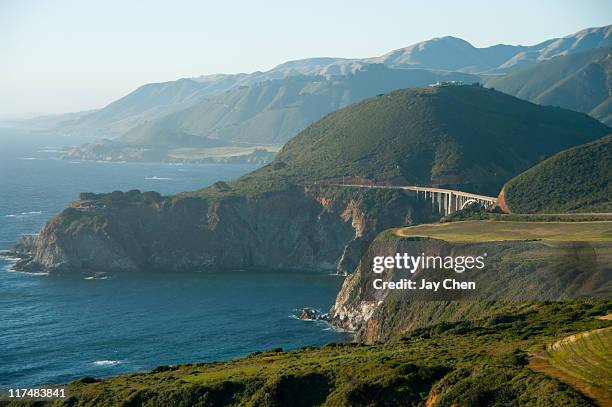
{"x":598,"y":37}
{"x":467,"y":136}
{"x":446,"y":53}
{"x":146,"y":103}
{"x":265,"y":114}
{"x":455,"y":54}
{"x":450,"y":53}
{"x":574,"y":180}
{"x":581,"y":82}
{"x":272,"y":112}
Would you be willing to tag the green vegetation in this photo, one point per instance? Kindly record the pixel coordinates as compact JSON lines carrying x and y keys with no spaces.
{"x":476,"y":362}
{"x":464,"y":136}
{"x":583,"y":360}
{"x":273,"y":111}
{"x":483,"y":214}
{"x":482,"y":231}
{"x":219,"y":153}
{"x":460,"y":136}
{"x":575,"y":180}
{"x":579,"y":82}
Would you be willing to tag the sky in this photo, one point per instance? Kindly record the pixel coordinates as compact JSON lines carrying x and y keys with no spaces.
{"x":60,"y":56}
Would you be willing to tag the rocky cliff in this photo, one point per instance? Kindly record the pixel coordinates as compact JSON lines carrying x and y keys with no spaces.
{"x":515,"y":271}
{"x":295,"y":228}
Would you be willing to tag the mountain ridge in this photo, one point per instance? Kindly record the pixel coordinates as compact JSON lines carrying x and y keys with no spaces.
{"x":494,"y":59}
{"x":580,"y":81}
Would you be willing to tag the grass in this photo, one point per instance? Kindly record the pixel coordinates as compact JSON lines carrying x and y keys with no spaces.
{"x":583,"y":360}
{"x":575,"y":180}
{"x":218,"y":152}
{"x":431,"y":136}
{"x":481,"y":231}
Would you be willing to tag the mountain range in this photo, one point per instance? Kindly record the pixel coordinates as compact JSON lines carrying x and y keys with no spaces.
{"x":264,"y":108}
{"x":580,"y":82}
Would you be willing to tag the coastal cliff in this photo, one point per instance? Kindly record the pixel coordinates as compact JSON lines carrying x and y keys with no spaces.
{"x":133,"y":231}
{"x":515,"y":271}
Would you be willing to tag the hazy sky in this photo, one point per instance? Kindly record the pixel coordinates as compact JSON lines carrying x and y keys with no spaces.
{"x":59,"y":56}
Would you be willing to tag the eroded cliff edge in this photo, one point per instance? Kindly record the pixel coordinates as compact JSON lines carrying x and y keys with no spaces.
{"x":515,"y":272}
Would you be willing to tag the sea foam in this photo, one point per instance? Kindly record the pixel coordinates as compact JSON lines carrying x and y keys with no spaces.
{"x":107,"y":362}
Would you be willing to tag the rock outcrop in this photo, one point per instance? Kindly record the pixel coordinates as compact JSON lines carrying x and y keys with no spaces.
{"x":515,"y":271}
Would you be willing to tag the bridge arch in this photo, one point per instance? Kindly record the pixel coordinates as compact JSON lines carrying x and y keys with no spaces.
{"x":470,"y":202}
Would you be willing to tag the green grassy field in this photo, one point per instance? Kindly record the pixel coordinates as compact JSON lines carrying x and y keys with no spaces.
{"x":218,"y":152}
{"x":480,"y":231}
{"x":583,"y":361}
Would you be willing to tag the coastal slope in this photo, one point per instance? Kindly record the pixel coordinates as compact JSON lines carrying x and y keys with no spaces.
{"x":575,"y":180}
{"x":478,"y":362}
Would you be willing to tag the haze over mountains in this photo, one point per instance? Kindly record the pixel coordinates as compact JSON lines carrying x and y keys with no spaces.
{"x":272,"y":112}
{"x":581,"y":82}
{"x":264,"y":108}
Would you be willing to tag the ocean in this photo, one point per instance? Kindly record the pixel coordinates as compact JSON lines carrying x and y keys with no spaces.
{"x":57,"y":329}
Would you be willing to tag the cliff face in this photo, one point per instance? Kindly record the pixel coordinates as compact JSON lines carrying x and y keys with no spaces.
{"x":515,"y":271}
{"x":294,"y":228}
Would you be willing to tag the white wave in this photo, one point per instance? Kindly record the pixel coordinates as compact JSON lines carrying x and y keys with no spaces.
{"x":28,"y":158}
{"x":158,"y":178}
{"x":23,"y":214}
{"x":338,"y":329}
{"x":32,"y":273}
{"x":75,"y":162}
{"x":96,"y":278}
{"x":107,"y":362}
{"x":11,"y":262}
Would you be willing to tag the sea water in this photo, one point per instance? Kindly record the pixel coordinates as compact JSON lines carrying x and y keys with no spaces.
{"x":57,"y":329}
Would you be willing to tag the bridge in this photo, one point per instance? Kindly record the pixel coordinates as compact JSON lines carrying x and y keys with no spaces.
{"x":446,"y":200}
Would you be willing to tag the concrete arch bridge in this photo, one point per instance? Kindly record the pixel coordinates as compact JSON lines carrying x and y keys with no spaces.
{"x":446,"y":201}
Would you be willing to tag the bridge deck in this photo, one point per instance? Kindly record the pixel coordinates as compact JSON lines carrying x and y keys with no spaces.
{"x":485,"y":198}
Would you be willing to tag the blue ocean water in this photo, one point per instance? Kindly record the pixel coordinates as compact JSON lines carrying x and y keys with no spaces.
{"x":56,"y":329}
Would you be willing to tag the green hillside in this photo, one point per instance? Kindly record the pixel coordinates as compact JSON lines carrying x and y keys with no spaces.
{"x":477,"y":362}
{"x":464,"y":136}
{"x":576,"y":180}
{"x":580,"y":82}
